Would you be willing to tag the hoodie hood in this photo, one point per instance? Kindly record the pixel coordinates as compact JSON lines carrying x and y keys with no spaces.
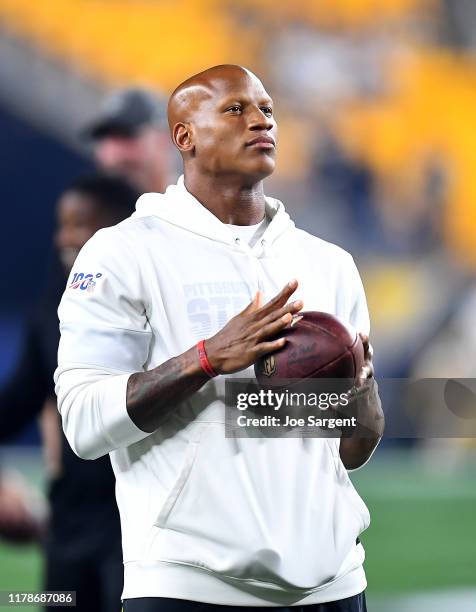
{"x":179,"y":207}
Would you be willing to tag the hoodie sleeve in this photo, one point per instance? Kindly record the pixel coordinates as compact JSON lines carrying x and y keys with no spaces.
{"x":105,"y":336}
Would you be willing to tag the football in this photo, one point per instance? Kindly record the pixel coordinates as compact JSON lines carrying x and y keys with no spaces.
{"x":318,"y":346}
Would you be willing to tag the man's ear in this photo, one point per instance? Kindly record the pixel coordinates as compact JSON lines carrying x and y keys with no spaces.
{"x":182,"y":137}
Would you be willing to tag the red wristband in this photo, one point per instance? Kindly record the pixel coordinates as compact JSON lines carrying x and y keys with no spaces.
{"x":206,"y":365}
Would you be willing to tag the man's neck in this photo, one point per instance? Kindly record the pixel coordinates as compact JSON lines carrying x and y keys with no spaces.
{"x":228,"y":198}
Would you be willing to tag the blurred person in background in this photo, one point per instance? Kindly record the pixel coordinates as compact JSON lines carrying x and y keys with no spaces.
{"x":129,"y":139}
{"x":83,"y":542}
{"x":345,"y":185}
{"x":22,"y":511}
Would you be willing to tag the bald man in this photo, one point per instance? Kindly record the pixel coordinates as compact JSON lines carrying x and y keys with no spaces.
{"x":208,"y":521}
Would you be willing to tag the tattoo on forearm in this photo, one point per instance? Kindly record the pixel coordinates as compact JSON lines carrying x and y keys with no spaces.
{"x":152,"y":395}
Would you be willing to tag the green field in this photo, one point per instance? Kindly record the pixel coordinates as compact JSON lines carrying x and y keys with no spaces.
{"x":20,"y":569}
{"x":422,"y":536}
{"x":423,"y":530}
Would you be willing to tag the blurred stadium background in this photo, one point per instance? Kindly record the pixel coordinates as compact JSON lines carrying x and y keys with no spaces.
{"x":376,"y":102}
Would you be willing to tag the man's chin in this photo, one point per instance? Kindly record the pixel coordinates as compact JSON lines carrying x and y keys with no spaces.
{"x":259,"y":169}
{"x":264,"y":170}
{"x":245,"y":173}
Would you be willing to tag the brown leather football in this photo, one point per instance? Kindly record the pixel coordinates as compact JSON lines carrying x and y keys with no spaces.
{"x":318,"y":346}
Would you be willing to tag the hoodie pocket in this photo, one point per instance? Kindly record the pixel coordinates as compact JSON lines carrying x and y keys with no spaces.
{"x":182,"y":478}
{"x":260,"y":511}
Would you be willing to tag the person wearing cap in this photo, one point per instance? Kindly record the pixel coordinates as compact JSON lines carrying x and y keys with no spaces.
{"x":128,"y":139}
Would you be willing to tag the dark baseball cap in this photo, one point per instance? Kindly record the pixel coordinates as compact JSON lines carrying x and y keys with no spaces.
{"x":125,"y":112}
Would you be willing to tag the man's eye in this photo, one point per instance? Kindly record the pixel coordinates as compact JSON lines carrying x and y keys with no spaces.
{"x":267,"y":110}
{"x":235,"y":109}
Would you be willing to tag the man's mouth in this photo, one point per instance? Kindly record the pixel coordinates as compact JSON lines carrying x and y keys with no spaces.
{"x":262,"y":142}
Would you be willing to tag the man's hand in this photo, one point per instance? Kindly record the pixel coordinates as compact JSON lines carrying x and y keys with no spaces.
{"x":247,"y":336}
{"x":367,"y":369}
{"x":152,"y":395}
{"x":358,"y":446}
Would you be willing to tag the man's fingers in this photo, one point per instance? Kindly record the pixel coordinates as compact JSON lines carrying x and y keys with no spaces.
{"x":368,"y":350}
{"x":365,"y":341}
{"x":263,"y":348}
{"x":255,"y":303}
{"x":281,"y":298}
{"x":292,"y":307}
{"x":271,"y":329}
{"x":366,"y":372}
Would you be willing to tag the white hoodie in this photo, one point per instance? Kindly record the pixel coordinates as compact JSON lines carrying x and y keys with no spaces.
{"x":234,"y":521}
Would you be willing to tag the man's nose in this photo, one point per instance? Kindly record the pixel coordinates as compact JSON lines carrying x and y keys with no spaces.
{"x":259,"y":121}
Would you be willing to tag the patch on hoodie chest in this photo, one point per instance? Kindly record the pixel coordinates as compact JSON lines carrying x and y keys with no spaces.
{"x":211,"y":305}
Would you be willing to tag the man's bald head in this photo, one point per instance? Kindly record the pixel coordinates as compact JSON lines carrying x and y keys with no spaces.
{"x":188,"y":96}
{"x":213,"y":117}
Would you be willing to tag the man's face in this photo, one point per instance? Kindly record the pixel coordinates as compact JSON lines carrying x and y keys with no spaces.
{"x":130,"y":157}
{"x":78,"y":219}
{"x":234,"y":130}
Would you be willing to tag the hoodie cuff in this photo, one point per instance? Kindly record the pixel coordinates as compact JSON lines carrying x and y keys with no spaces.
{"x":118,"y":426}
